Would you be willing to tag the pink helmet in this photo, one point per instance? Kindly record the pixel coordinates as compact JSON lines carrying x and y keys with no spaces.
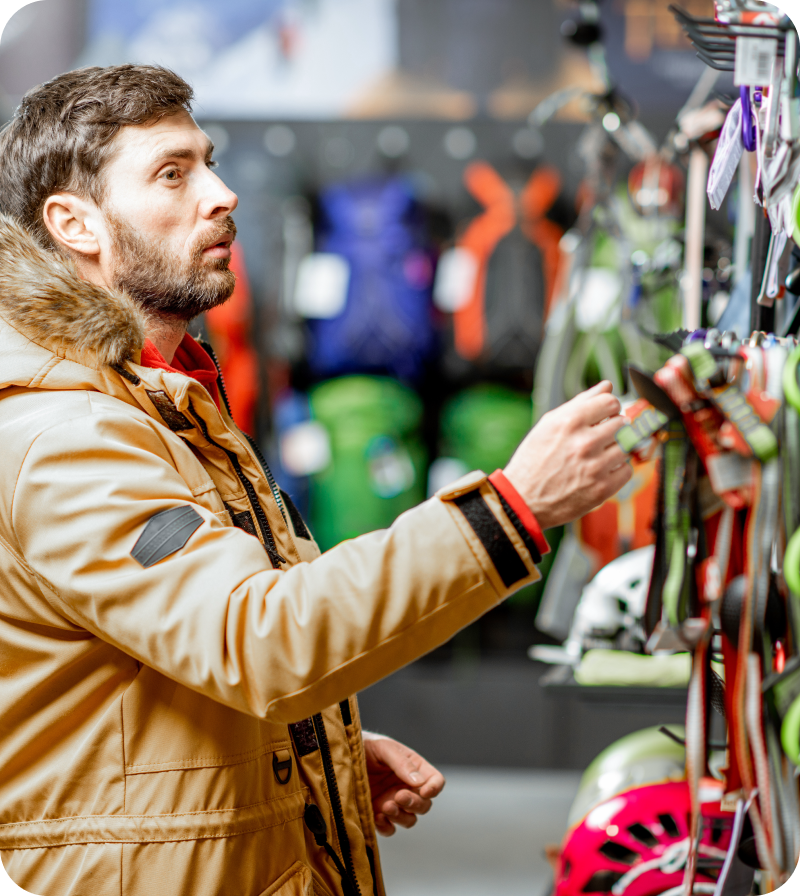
{"x":630,"y":840}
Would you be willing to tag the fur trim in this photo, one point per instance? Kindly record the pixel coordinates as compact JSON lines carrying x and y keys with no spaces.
{"x":42,"y":296}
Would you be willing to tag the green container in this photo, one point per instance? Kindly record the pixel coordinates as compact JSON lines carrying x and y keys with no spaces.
{"x":482,"y":426}
{"x":377,"y":467}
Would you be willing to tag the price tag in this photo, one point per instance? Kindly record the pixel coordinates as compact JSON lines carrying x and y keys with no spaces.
{"x":456,"y":275}
{"x":322,"y":283}
{"x":755,"y":57}
{"x":730,"y":147}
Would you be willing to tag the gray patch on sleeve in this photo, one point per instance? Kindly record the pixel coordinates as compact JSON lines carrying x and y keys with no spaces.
{"x":165,"y":533}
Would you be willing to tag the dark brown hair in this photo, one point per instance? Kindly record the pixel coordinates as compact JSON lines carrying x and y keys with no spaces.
{"x":60,"y":137}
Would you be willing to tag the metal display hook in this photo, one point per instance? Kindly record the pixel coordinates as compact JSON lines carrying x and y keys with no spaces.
{"x":715,"y":41}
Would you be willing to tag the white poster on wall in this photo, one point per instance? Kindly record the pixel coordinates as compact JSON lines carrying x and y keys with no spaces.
{"x":254,"y":58}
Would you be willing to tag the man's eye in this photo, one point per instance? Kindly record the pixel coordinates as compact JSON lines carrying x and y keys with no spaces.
{"x":212,"y":164}
{"x":171,"y":175}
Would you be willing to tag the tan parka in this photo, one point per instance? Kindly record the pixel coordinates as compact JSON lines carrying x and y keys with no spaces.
{"x":175,"y":655}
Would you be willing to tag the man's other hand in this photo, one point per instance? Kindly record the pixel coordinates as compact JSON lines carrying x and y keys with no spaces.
{"x":569,"y":463}
{"x":402,"y":783}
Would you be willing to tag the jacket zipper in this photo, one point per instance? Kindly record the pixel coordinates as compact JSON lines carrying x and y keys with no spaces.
{"x":315,"y":822}
{"x":336,"y":801}
{"x":261,"y":517}
{"x":273,"y":485}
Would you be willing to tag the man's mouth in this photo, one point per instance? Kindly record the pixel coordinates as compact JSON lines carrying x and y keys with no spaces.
{"x":220,"y":249}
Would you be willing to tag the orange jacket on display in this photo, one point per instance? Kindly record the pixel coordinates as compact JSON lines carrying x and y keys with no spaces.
{"x":502,"y":210}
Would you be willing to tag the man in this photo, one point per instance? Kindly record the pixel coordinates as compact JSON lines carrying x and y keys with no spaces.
{"x":176,"y":655}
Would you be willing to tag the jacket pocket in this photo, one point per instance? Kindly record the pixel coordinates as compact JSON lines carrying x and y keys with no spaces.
{"x":296,"y":881}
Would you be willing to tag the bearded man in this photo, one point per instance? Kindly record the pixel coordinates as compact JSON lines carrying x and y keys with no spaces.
{"x":176,"y":654}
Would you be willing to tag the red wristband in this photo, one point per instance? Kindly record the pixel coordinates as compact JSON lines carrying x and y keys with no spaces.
{"x":514,"y":500}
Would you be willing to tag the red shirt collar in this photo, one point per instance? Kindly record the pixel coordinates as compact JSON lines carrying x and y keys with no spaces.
{"x":191,"y":359}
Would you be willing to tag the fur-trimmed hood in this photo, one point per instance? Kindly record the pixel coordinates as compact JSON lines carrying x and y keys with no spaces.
{"x":44,"y":299}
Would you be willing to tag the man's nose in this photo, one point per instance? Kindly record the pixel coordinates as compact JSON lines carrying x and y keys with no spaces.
{"x":218,"y":201}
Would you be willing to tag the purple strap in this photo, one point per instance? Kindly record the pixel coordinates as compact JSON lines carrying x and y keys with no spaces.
{"x":748,"y":125}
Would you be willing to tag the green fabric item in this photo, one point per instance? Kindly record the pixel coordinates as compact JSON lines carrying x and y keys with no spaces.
{"x":620,"y":668}
{"x":483,"y":425}
{"x":703,"y":364}
{"x":377,"y":467}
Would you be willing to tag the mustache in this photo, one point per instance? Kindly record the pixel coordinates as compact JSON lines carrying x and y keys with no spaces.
{"x":220,"y":230}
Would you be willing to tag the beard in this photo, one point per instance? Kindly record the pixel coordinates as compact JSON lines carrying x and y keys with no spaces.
{"x":160,"y":282}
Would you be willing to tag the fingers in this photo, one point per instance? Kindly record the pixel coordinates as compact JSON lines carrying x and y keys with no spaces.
{"x":405,"y":820}
{"x":414,"y":803}
{"x":604,"y":386}
{"x":604,"y":432}
{"x":409,"y":767}
{"x":383,"y":825}
{"x":619,"y":477}
{"x":609,"y":484}
{"x":401,"y":811}
{"x":434,"y":784}
{"x":397,"y":800}
{"x":396,"y":816}
{"x":594,"y":409}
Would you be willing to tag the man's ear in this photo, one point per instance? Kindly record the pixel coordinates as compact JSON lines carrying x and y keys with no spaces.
{"x":74,"y":224}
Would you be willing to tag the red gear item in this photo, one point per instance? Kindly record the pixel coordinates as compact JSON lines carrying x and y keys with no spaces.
{"x":229,"y":328}
{"x":636,"y":843}
{"x":702,"y":422}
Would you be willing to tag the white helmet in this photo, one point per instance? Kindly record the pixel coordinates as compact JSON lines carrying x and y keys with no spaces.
{"x":612,"y":603}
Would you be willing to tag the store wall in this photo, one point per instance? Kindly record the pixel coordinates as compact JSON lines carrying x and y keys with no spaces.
{"x":40,"y":41}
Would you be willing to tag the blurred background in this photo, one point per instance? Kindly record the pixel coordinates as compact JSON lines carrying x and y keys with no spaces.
{"x":387,"y":334}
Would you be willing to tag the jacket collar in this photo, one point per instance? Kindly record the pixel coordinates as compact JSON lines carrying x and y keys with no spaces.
{"x":44,"y":299}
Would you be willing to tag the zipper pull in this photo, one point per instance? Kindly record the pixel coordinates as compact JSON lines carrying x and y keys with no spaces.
{"x":316,"y":824}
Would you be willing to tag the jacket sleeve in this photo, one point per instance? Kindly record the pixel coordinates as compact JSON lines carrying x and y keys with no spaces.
{"x":214,"y":615}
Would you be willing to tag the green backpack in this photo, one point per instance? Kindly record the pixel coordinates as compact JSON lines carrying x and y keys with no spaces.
{"x":481,"y":427}
{"x":377,"y":458}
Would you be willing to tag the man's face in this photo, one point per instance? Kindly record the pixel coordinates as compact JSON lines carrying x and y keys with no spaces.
{"x":169,"y":229}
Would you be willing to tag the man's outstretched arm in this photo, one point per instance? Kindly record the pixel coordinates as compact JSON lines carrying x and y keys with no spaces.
{"x":283,"y":644}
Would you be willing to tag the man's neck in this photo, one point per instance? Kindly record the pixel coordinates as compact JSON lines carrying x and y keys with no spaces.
{"x":166,"y":332}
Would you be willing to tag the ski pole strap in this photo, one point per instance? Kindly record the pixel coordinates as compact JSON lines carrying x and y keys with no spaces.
{"x":676,"y":520}
{"x":760,"y":542}
{"x":755,"y":437}
{"x":704,"y":367}
{"x":759,"y":438}
{"x":646,"y":421}
{"x":703,"y":421}
{"x":714,"y":570}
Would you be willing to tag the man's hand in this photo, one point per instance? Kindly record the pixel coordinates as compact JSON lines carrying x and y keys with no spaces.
{"x":569,"y":463}
{"x":402,"y":783}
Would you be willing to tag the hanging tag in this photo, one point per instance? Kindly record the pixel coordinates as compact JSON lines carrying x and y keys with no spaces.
{"x":456,"y":275}
{"x":305,"y":448}
{"x":726,"y":158}
{"x":645,"y":422}
{"x":754,"y":60}
{"x":773,"y":279}
{"x":322,"y":283}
